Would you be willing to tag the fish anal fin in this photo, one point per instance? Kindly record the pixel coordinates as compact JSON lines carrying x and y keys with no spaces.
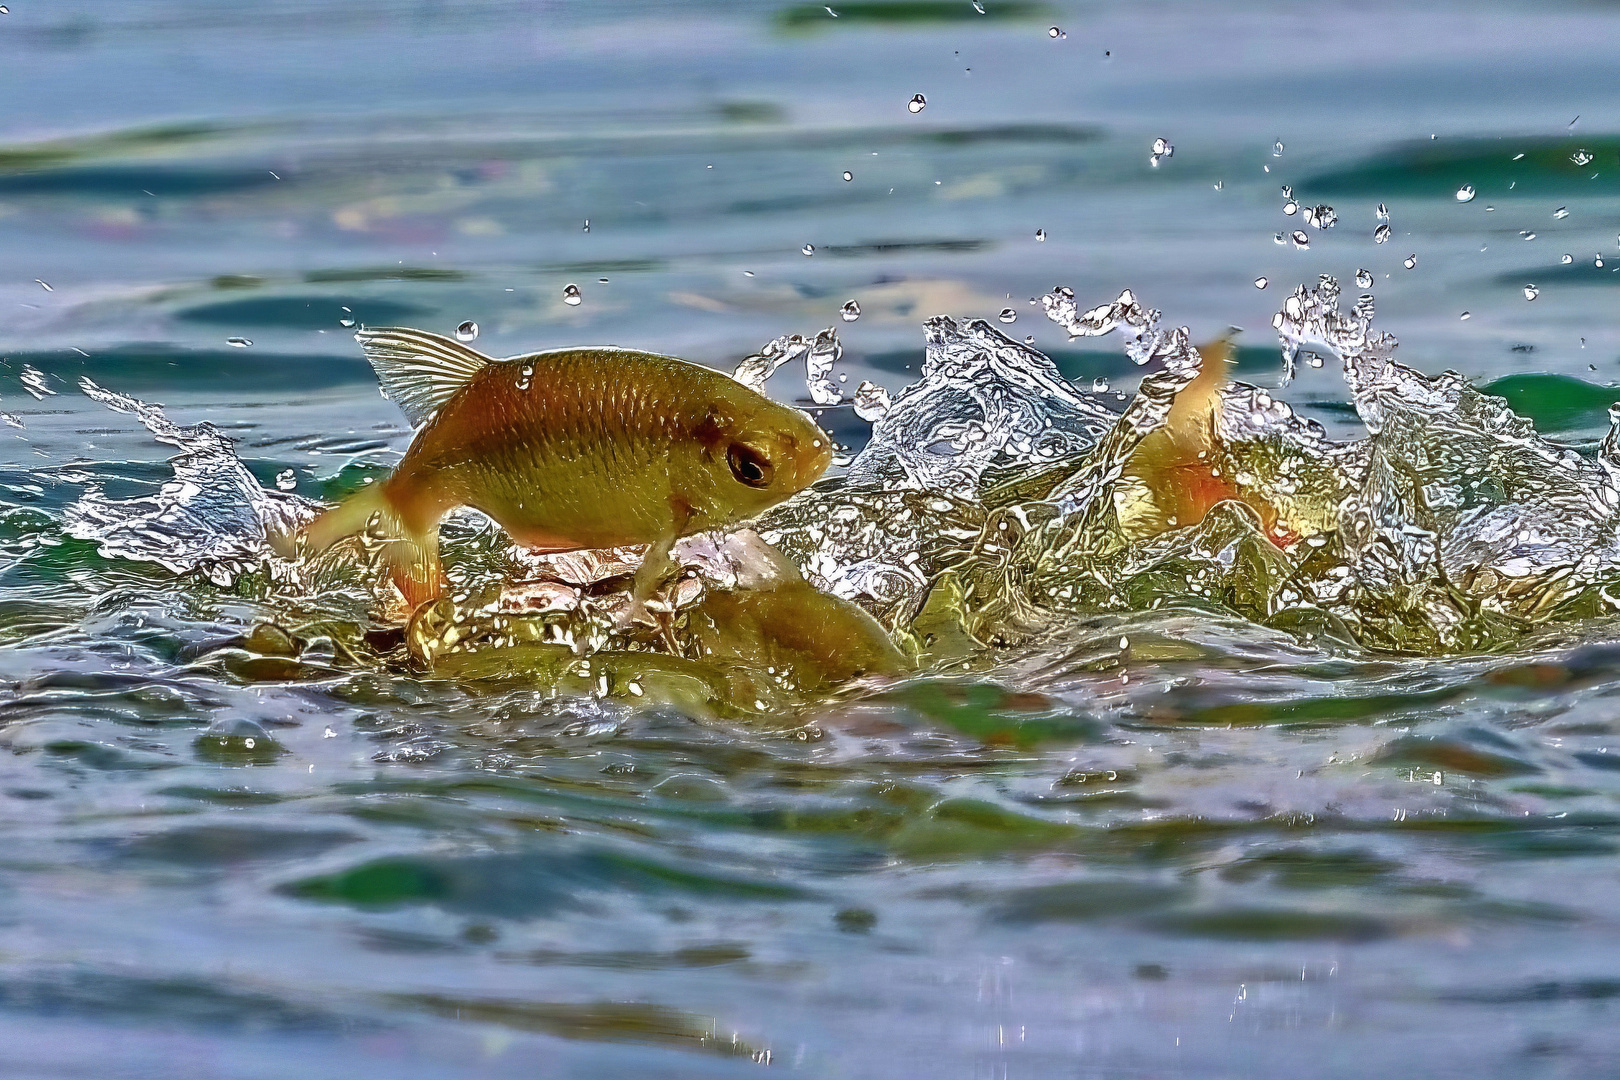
{"x":419,"y":371}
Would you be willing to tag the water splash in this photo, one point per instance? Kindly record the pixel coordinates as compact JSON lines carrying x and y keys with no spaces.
{"x":213,"y":518}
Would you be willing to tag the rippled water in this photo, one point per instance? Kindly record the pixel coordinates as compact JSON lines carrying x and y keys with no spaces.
{"x":1216,"y":838}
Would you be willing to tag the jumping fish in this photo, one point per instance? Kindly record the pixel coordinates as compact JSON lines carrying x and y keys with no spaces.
{"x":569,"y":449}
{"x":1174,"y":478}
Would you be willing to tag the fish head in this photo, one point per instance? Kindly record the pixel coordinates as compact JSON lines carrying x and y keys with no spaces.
{"x":759,"y":453}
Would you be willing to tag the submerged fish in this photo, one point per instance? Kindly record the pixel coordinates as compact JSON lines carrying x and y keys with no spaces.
{"x":1176,"y":476}
{"x":569,"y":449}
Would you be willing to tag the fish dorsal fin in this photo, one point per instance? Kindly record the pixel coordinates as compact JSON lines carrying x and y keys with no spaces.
{"x":419,"y":371}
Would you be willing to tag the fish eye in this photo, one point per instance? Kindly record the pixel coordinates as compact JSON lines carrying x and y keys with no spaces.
{"x":748,"y":465}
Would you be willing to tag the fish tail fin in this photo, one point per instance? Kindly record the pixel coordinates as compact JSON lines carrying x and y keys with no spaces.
{"x":1172,"y":467}
{"x":1191,"y":423}
{"x":412,"y":554}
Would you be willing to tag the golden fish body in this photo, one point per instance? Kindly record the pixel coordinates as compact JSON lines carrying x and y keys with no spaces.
{"x":574,"y":448}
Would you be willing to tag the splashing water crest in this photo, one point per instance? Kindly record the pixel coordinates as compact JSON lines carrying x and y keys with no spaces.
{"x":996,"y":496}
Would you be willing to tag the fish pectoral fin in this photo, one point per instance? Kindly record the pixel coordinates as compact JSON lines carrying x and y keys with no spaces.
{"x":655,"y":567}
{"x":419,"y":371}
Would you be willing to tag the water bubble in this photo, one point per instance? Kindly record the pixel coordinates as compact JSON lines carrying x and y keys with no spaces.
{"x":809,"y":249}
{"x":1008,"y":315}
{"x":1260,"y":282}
{"x":917,"y":103}
{"x":1277,"y":149}
{"x":1300,"y":239}
{"x":1381,"y":234}
{"x":1465,"y":193}
{"x":1561,"y":213}
{"x":1465,"y":316}
{"x":1410,"y":261}
{"x":571,"y":295}
{"x":848,"y":176}
{"x":1531,"y":292}
{"x":1582,"y":157}
{"x":1364,"y":279}
{"x":1382,"y":213}
{"x":286,"y":480}
{"x":871,"y":401}
{"x":1321,"y":216}
{"x":1040,"y":234}
{"x":1278,"y":238}
{"x":850,"y":311}
{"x":1099,"y":386}
{"x":1568,"y":258}
{"x":238,"y":342}
{"x":1290,"y":207}
{"x":467,"y":331}
{"x":1054,"y":32}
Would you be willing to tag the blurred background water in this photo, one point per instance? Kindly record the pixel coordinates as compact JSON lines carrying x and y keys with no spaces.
{"x":1246,"y":856}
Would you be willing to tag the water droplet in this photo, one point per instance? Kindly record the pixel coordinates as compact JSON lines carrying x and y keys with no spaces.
{"x":1381,"y":234}
{"x":1054,"y":32}
{"x":1465,"y":193}
{"x":238,"y":342}
{"x":1008,"y":315}
{"x":809,"y":249}
{"x":848,"y":176}
{"x":286,"y":480}
{"x":467,"y":331}
{"x":1099,"y":386}
{"x":1321,"y":216}
{"x":1278,"y":238}
{"x":571,"y":295}
{"x":1290,"y":207}
{"x":1531,"y":292}
{"x":850,"y":311}
{"x":1277,"y":149}
{"x":346,"y":322}
{"x":1561,"y":213}
{"x":43,"y":285}
{"x":1410,"y":261}
{"x":1161,"y":149}
{"x":587,"y":226}
{"x":978,"y":5}
{"x":1526,"y":234}
{"x":918,"y":103}
{"x":1300,"y":239}
{"x":1040,"y":234}
{"x":1579,"y":157}
{"x":1364,"y":279}
{"x":1568,"y":258}
{"x":1598,"y":262}
{"x":1466,"y":316}
{"x":1382,"y":212}
{"x":1260,"y":282}
{"x":4,"y":10}
{"x":1288,"y":191}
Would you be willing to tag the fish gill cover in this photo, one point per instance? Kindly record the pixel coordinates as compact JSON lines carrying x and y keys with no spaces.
{"x":994,"y":506}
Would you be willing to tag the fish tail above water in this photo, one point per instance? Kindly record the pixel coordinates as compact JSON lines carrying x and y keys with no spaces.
{"x":1174,"y":481}
{"x":412,"y":554}
{"x":419,"y":371}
